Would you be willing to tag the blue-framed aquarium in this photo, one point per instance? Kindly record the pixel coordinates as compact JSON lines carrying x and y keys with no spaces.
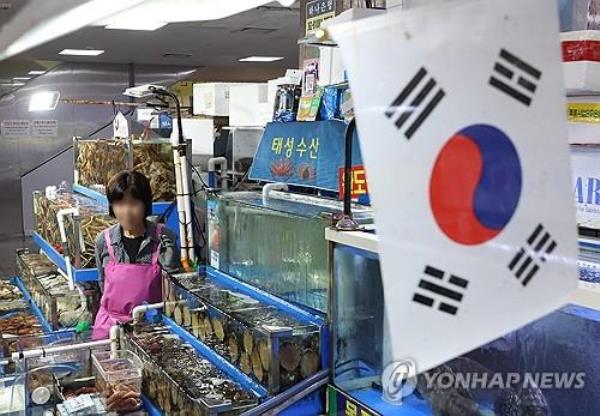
{"x":276,"y":244}
{"x":559,"y":353}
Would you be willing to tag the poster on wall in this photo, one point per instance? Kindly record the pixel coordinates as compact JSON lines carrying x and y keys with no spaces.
{"x":463,"y":138}
{"x":42,"y":129}
{"x":15,"y":129}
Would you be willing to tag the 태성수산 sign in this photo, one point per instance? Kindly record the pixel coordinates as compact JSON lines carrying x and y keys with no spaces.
{"x":305,"y":154}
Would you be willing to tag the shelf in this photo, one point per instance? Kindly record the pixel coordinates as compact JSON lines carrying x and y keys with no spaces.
{"x":588,"y":295}
{"x":232,"y":371}
{"x":150,"y":407}
{"x":79,"y":275}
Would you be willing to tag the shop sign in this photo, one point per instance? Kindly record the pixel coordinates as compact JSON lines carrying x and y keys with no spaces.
{"x":303,"y":154}
{"x":583,"y":112}
{"x":15,"y":129}
{"x":340,"y":404}
{"x":586,"y":183}
{"x":358,"y":182}
{"x":317,"y":11}
{"x":44,"y":129}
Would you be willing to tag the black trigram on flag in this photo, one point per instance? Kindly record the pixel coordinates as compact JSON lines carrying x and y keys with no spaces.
{"x":424,"y":95}
{"x":435,"y":287}
{"x":539,"y":245}
{"x":515,"y":77}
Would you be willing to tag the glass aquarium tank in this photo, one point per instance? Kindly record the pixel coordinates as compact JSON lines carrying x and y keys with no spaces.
{"x":61,"y":306}
{"x":561,"y":345}
{"x":277,"y":244}
{"x":179,"y":380}
{"x":273,"y":345}
{"x":81,"y":229}
{"x":98,"y":160}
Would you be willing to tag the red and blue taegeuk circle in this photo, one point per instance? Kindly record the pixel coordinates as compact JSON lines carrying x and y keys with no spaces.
{"x":475,"y":184}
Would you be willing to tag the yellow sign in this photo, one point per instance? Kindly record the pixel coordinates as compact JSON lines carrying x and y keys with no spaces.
{"x":583,"y":112}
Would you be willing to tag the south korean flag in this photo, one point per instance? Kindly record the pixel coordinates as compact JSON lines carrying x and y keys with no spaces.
{"x":461,"y":115}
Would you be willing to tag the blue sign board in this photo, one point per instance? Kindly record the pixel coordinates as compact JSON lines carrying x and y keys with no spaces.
{"x":308,"y":154}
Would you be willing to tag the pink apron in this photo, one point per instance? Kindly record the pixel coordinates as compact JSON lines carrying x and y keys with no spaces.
{"x":125,"y":287}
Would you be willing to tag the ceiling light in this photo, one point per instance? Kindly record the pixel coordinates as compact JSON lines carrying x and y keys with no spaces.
{"x":81,"y":52}
{"x":261,"y":59}
{"x":22,"y":78}
{"x":147,"y":25}
{"x":287,"y":3}
{"x":13,"y":84}
{"x":44,"y":101}
{"x":34,"y":72}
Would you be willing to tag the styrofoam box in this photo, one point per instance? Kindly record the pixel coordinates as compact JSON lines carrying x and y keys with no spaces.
{"x":582,"y":77}
{"x":583,"y":126}
{"x":249,"y":105}
{"x":200,"y":131}
{"x":331,"y":66}
{"x":212,"y":99}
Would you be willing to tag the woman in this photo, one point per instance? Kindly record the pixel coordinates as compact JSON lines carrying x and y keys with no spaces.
{"x":130,"y":254}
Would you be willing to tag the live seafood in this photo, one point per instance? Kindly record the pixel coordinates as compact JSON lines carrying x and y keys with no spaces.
{"x":61,"y":306}
{"x":118,"y":380}
{"x":156,"y":162}
{"x":180,"y":381}
{"x":82,"y":228}
{"x":99,"y":160}
{"x":243,"y":330}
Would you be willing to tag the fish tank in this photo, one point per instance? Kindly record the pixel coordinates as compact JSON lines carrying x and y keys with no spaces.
{"x":98,"y":160}
{"x":275,"y":346}
{"x":61,"y":306}
{"x":12,"y":390}
{"x":276,"y":244}
{"x":179,"y":380}
{"x":80,"y":229}
{"x":562,"y":343}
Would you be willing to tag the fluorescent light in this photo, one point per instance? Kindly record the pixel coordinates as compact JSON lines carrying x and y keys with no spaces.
{"x":22,"y":78}
{"x":138,"y":24}
{"x":81,"y":52}
{"x":13,"y":84}
{"x":44,"y":101}
{"x":34,"y":72}
{"x":261,"y":59}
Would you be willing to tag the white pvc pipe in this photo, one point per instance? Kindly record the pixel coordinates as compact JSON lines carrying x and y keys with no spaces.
{"x":221,"y":162}
{"x":114,"y":338}
{"x":277,"y":186}
{"x":16,"y":356}
{"x":141,"y":309}
{"x":60,"y":216}
{"x":180,"y":206}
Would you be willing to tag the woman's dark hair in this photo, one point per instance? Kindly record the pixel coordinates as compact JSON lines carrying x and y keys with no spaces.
{"x":132,"y":183}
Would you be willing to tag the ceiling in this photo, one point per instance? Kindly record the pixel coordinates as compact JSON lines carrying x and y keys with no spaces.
{"x":215,"y":46}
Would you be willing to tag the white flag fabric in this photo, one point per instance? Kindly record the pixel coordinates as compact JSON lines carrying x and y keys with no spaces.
{"x":460,"y":110}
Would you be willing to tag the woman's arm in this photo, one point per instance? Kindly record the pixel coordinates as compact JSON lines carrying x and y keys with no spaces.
{"x":100,"y":248}
{"x":169,"y":252}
